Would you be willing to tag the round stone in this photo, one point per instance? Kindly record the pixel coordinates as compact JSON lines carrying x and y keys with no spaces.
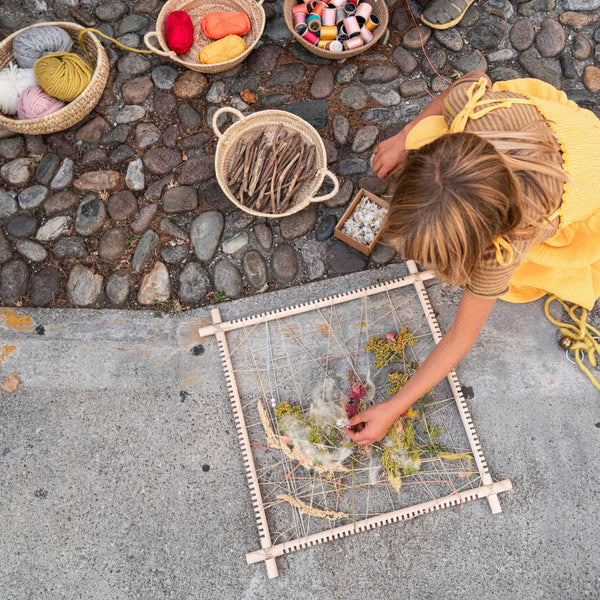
{"x":288,"y":75}
{"x":189,"y":117}
{"x":236,"y":243}
{"x":31,"y":251}
{"x":69,"y":247}
{"x":32,"y":197}
{"x":111,"y":11}
{"x":487,"y":35}
{"x":500,"y":8}
{"x":116,"y":135}
{"x":170,"y":228}
{"x":194,"y":283}
{"x":413,"y":88}
{"x":164,"y":103}
{"x":144,"y":218}
{"x":539,"y":68}
{"x":341,"y":129}
{"x":437,"y":58}
{"x":162,"y":160}
{"x":581,"y":48}
{"x":61,"y":202}
{"x":84,"y":287}
{"x":343,"y":196}
{"x":8,"y":205}
{"x":146,"y":134}
{"x":313,"y":111}
{"x":133,"y":24}
{"x":354,"y":97}
{"x":112,"y":245}
{"x":92,"y":131}
{"x":122,"y":206}
{"x":180,"y":199}
{"x":174,"y":255}
{"x":365,"y":138}
{"x":474,"y":61}
{"x":91,"y":215}
{"x":379,"y":74}
{"x":21,"y":226}
{"x":130,"y":114}
{"x":346,"y":74}
{"x":17,"y":172}
{"x":344,"y":259}
{"x":325,"y":228}
{"x":577,"y":20}
{"x":47,"y":168}
{"x":299,"y":224}
{"x":5,"y":249}
{"x":449,"y":38}
{"x":197,"y":170}
{"x":144,"y":249}
{"x":170,"y":136}
{"x":135,"y":91}
{"x":164,"y":77}
{"x":412,"y":40}
{"x":155,"y":286}
{"x":98,"y":180}
{"x":255,"y":269}
{"x":312,"y":255}
{"x":400,"y":19}
{"x":352,"y":166}
{"x":227,"y":279}
{"x":322,"y":84}
{"x":53,"y":229}
{"x":45,"y":285}
{"x":190,"y":85}
{"x":133,"y":64}
{"x":284,"y":263}
{"x":135,"y":179}
{"x":14,"y":280}
{"x":550,"y":40}
{"x":205,"y":233}
{"x":11,"y":147}
{"x":264,"y":235}
{"x":118,"y":287}
{"x":591,"y":78}
{"x":406,"y":62}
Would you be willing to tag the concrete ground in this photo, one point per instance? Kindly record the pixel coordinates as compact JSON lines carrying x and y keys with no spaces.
{"x":121,"y":477}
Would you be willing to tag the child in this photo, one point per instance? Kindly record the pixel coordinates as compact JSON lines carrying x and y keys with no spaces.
{"x":499,"y":193}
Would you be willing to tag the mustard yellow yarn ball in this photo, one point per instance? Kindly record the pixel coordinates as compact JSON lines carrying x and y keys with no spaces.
{"x":63,"y":75}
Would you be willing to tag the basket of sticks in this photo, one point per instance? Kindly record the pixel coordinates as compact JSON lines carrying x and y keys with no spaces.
{"x":368,"y":25}
{"x":197,"y":11}
{"x":271,"y":163}
{"x":77,"y":109}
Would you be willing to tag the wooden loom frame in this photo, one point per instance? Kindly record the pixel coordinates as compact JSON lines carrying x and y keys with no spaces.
{"x":268,"y":552}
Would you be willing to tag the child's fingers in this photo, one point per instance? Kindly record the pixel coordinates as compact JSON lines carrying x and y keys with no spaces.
{"x":358,"y":437}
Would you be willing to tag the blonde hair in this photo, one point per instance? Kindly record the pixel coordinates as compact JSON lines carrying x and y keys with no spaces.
{"x":459,"y":193}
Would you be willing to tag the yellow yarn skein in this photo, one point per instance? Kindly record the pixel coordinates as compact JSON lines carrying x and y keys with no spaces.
{"x":63,"y":75}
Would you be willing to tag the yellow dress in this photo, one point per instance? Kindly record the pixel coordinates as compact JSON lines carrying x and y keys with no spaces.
{"x":568,"y":263}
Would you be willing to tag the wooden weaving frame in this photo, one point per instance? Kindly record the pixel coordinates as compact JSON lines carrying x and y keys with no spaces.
{"x":268,"y":552}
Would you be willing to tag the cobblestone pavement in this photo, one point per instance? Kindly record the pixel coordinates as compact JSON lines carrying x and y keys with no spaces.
{"x":161,"y":234}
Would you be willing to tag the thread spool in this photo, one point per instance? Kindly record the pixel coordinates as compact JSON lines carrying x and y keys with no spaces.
{"x":310,"y":37}
{"x":363,"y":12}
{"x":365,"y":35}
{"x":321,"y":44}
{"x":349,"y":9}
{"x":353,"y":43}
{"x":318,"y":9}
{"x":314,"y":23}
{"x":301,"y":28}
{"x":334,"y":46}
{"x":62,"y":74}
{"x":34,"y":103}
{"x":328,"y":17}
{"x":32,"y":43}
{"x":299,"y":19}
{"x":342,"y":29}
{"x":342,"y":37}
{"x":372,"y":22}
{"x":300,"y":9}
{"x":311,"y":5}
{"x":340,"y":15}
{"x":338,"y":3}
{"x":329,"y":33}
{"x":351,"y":27}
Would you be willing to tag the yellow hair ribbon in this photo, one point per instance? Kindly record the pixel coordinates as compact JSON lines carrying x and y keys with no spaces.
{"x":501,"y":244}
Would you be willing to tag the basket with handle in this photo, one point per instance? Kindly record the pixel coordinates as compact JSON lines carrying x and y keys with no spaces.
{"x":380,"y":10}
{"x":75,"y":110}
{"x":245,"y":127}
{"x":197,"y":10}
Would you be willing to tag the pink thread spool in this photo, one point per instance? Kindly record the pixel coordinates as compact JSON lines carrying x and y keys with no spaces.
{"x":337,"y":3}
{"x":328,"y":17}
{"x":353,"y":43}
{"x":318,"y":9}
{"x":372,"y":22}
{"x":299,"y":18}
{"x":300,"y":9}
{"x":33,"y":102}
{"x":365,"y":35}
{"x":363,"y":12}
{"x":310,"y":37}
{"x":351,"y":27}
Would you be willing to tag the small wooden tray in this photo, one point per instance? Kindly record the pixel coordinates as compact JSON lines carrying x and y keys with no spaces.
{"x":346,"y":238}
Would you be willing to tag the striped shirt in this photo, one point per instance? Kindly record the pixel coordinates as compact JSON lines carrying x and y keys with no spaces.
{"x":490,"y":278}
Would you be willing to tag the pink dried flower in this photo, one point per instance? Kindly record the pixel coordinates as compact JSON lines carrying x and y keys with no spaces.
{"x":390,"y":337}
{"x":357,"y":390}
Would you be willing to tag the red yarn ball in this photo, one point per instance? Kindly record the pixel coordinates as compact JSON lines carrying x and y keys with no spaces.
{"x":179,"y":31}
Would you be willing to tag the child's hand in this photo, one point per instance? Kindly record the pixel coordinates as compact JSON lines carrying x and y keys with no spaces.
{"x":377,"y":419}
{"x":390,"y":155}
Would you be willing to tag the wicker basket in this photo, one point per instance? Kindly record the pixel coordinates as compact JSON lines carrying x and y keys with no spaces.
{"x":75,"y":110}
{"x":245,"y":127}
{"x":380,"y":9}
{"x":197,"y":10}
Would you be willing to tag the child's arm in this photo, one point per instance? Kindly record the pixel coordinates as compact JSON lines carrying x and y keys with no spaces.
{"x":470,"y":317}
{"x":390,"y":154}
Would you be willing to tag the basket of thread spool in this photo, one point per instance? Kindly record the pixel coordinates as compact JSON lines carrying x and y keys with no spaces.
{"x":209,"y":37}
{"x":271,"y":163}
{"x":339,"y":28}
{"x":48,"y":81}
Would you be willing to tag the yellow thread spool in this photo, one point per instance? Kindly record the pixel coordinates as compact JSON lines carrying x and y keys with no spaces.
{"x":329,"y":33}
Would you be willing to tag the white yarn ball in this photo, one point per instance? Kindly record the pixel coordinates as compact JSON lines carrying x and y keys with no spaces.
{"x":13,"y":81}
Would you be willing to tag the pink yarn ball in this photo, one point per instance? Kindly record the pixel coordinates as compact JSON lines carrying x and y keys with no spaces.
{"x":34,"y":102}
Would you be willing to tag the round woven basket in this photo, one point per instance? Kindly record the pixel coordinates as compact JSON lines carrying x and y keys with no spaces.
{"x":245,"y":127}
{"x":198,"y":10}
{"x":75,"y":110}
{"x":380,"y":9}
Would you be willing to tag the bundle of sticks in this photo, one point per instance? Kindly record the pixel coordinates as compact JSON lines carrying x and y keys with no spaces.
{"x":267,"y":170}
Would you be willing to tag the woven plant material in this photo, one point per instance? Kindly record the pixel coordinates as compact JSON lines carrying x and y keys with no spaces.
{"x":83,"y":104}
{"x":380,"y":10}
{"x":197,"y":11}
{"x":271,"y":121}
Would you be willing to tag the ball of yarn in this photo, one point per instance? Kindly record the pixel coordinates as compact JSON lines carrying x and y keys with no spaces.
{"x":13,"y":81}
{"x":34,"y":103}
{"x":34,"y":42}
{"x":179,"y":31}
{"x":62,"y":75}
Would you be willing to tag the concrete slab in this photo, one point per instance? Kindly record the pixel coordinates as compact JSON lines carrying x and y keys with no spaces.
{"x":120,"y":475}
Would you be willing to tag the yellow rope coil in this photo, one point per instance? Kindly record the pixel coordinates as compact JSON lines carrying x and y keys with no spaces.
{"x":581,"y":334}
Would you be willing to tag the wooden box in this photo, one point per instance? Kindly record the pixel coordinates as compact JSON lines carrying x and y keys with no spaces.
{"x":346,"y":238}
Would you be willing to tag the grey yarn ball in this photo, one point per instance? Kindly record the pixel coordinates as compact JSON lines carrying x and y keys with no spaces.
{"x":34,"y":42}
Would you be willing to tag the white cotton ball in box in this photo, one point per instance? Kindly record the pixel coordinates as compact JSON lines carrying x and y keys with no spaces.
{"x":13,"y":81}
